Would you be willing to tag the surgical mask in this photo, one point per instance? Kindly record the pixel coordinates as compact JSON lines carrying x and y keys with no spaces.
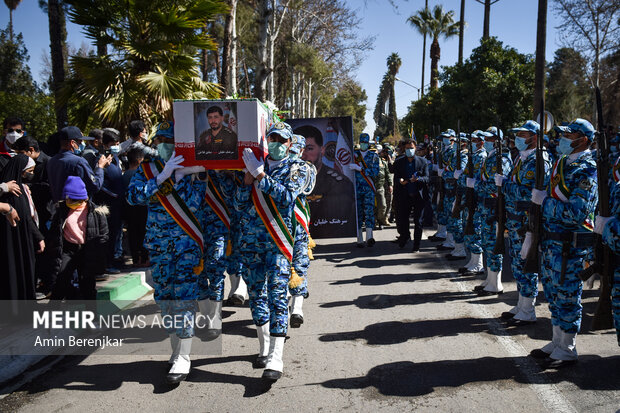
{"x":277,"y":150}
{"x":27,"y":176}
{"x":115,"y":149}
{"x":165,"y":150}
{"x":82,"y":146}
{"x":11,"y":137}
{"x":564,"y":147}
{"x":410,"y":153}
{"x":447,"y":142}
{"x":363,"y":146}
{"x":293,"y":155}
{"x":489,"y":146}
{"x":74,"y":204}
{"x":520,"y":143}
{"x":78,"y":150}
{"x":613,"y":148}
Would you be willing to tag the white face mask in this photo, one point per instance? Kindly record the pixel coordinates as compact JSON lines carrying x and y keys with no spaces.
{"x":12,"y":137}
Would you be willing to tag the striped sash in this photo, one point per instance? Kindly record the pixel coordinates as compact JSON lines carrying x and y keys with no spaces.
{"x":173,"y":204}
{"x":273,"y":221}
{"x":616,"y":170}
{"x":561,"y":192}
{"x":302,"y":214}
{"x":216,"y":202}
{"x":371,"y":184}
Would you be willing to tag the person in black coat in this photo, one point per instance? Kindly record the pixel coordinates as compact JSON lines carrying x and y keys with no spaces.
{"x":411,"y":178}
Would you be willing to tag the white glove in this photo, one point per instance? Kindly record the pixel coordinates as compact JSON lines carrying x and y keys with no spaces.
{"x":172,"y":165}
{"x":440,"y":172}
{"x":499,"y":180}
{"x":354,"y":167}
{"x":526,"y":245}
{"x":471,"y":182}
{"x":458,"y":173}
{"x":599,"y":224}
{"x":435,"y":167}
{"x":253,"y":165}
{"x":538,"y":196}
{"x":188,"y":170}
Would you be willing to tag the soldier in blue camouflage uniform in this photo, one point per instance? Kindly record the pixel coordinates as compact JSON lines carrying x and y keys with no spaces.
{"x":568,"y":207}
{"x":301,"y":259}
{"x":364,"y":191}
{"x":455,"y":239}
{"x":281,"y":178}
{"x":234,"y":268}
{"x":473,"y":243}
{"x":174,"y":255}
{"x":518,"y":191}
{"x":484,"y":185}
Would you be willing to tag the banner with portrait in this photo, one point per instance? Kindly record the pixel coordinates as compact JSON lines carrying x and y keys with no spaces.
{"x":329,"y":146}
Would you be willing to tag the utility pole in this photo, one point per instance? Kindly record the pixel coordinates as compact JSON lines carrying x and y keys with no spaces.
{"x":423,"y":56}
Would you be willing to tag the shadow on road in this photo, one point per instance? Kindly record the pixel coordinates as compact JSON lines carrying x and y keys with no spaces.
{"x":385,"y":279}
{"x":382,"y":301}
{"x":410,"y":379}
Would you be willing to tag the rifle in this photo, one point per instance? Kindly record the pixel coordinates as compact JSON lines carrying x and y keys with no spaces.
{"x":442,"y":191}
{"x":603,"y":255}
{"x":470,"y":195}
{"x":500,"y":208}
{"x":456,"y":210}
{"x":532,"y":261}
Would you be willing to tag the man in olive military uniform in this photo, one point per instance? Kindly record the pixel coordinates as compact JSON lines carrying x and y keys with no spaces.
{"x":332,"y":202}
{"x":384,"y":185}
{"x":218,"y":142}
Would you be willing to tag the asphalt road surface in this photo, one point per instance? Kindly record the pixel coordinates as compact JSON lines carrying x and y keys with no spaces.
{"x":385,"y":330}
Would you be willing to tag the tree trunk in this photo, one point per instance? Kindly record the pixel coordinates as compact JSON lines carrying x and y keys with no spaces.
{"x":11,"y":24}
{"x":271,"y":93}
{"x":264,"y":14}
{"x":539,"y":70}
{"x":392,"y":118}
{"x":233,"y":49}
{"x":58,"y":60}
{"x":435,"y":56}
{"x":226,"y":46}
{"x":423,"y":58}
{"x":461,"y":31}
{"x":487,"y":16}
{"x":247,"y":79}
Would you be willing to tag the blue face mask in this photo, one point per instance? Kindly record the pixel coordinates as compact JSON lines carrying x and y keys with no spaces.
{"x":293,"y":155}
{"x":410,"y":153}
{"x":520,"y":143}
{"x":165,"y":150}
{"x":447,"y":142}
{"x":277,"y":150}
{"x":489,"y":146}
{"x":363,"y":146}
{"x":115,"y":149}
{"x":564,"y":147}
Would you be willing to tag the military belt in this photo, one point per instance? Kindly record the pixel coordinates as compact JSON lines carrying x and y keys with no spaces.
{"x":523,"y":205}
{"x":576,"y":239}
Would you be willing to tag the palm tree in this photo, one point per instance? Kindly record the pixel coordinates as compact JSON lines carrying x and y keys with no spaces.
{"x":152,"y":60}
{"x":436,"y":23}
{"x":12,"y":5}
{"x":387,"y":125}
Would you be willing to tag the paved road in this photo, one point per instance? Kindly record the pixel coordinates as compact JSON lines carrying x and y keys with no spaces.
{"x":385,"y":329}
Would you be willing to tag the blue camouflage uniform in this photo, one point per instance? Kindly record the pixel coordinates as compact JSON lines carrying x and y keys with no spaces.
{"x":611,"y":237}
{"x":215,"y":235}
{"x":233,"y":262}
{"x":567,"y":210}
{"x":518,"y":192}
{"x":455,"y":225}
{"x":173,"y":254}
{"x":487,"y":192}
{"x":268,"y":270}
{"x":364,"y":192}
{"x":473,"y":242}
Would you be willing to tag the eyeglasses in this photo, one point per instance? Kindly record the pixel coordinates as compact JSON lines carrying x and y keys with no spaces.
{"x":14,"y":130}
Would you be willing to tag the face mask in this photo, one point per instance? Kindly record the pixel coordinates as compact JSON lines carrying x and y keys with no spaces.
{"x":82,"y":146}
{"x":277,"y":150}
{"x":520,"y":143}
{"x":115,"y":149}
{"x":614,"y":149}
{"x":410,"y":153}
{"x":165,"y":150}
{"x":78,"y":150}
{"x":11,"y":137}
{"x":27,"y":176}
{"x":447,"y":142}
{"x":293,"y":155}
{"x":565,"y":147}
{"x":363,"y":146}
{"x":489,"y":146}
{"x":74,"y":204}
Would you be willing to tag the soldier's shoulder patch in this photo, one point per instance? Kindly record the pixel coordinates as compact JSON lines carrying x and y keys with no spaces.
{"x":530,"y":174}
{"x":585,"y":184}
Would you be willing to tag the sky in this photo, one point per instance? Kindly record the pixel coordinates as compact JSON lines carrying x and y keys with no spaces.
{"x":512,"y":21}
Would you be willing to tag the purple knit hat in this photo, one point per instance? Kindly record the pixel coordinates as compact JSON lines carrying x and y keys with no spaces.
{"x":74,"y":188}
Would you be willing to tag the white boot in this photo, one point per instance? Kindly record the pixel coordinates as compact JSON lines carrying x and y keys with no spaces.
{"x":234,"y":284}
{"x":174,"y":343}
{"x":516,"y":308}
{"x":212,"y":311}
{"x":297,"y":314}
{"x":449,"y":242}
{"x":441,"y":231}
{"x":475,"y":263}
{"x":182,"y":364}
{"x":360,"y":238}
{"x":238,"y":290}
{"x":484,"y":283}
{"x":494,"y":284}
{"x":263,"y":342}
{"x":566,"y":348}
{"x":242,"y":288}
{"x":527,"y":309}
{"x":275,"y":365}
{"x":458,"y":251}
{"x":555,"y":340}
{"x":370,"y":241}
